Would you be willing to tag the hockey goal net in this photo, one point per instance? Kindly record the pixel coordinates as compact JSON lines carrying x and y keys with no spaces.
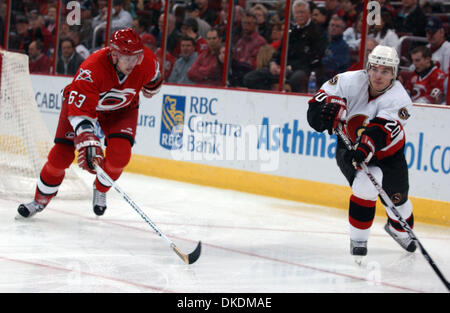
{"x":24,"y":138}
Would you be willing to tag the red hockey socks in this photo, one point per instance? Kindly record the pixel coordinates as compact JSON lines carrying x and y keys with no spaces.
{"x":52,"y":173}
{"x":118,"y":155}
{"x":361,"y":216}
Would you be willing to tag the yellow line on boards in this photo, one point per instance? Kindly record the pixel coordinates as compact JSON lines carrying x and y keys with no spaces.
{"x":425,"y":210}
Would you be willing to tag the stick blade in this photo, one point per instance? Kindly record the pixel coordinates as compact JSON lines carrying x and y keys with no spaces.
{"x":194,"y":255}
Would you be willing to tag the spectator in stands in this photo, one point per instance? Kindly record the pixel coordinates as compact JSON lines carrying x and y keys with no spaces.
{"x":38,"y":30}
{"x":192,"y":10}
{"x":190,"y":29}
{"x":337,"y":53}
{"x":432,"y":6}
{"x":141,"y":26}
{"x":262,"y":15}
{"x":351,"y":8}
{"x":426,"y":85}
{"x":173,"y":33}
{"x":371,"y":43}
{"x":221,"y":20}
{"x":276,"y":34}
{"x":21,"y":39}
{"x":150,"y":10}
{"x":207,"y":70}
{"x":319,"y":17}
{"x":50,"y":19}
{"x":384,"y":32}
{"x":385,"y":5}
{"x":70,"y":60}
{"x":205,"y":13}
{"x":149,"y":41}
{"x":85,"y":30}
{"x":39,"y":62}
{"x":264,"y":56}
{"x":439,"y":46}
{"x":305,"y":50}
{"x":333,"y":7}
{"x":246,"y":49}
{"x":410,"y":19}
{"x":79,"y":47}
{"x":352,"y":35}
{"x":120,"y":18}
{"x":102,"y":13}
{"x":184,"y":62}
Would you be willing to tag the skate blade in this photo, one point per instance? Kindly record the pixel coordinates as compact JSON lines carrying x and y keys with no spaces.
{"x":19,"y":217}
{"x":359,"y":259}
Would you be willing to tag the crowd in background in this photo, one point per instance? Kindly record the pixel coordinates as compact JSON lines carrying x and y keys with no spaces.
{"x":324,"y":38}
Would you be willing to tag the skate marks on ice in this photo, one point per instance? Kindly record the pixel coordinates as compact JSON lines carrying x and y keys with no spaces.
{"x":250,"y":244}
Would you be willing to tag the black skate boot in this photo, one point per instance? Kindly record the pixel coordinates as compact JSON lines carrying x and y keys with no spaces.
{"x":99,"y":202}
{"x":358,"y":248}
{"x":29,"y":209}
{"x":404,"y":241}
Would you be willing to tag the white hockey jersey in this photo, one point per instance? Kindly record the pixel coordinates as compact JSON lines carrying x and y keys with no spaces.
{"x":442,"y":56}
{"x":394,"y":106}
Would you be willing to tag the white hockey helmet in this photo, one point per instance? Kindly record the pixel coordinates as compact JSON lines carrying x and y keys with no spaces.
{"x":384,"y":55}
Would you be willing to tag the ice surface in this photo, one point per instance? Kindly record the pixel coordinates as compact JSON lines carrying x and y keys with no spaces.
{"x":250,"y":244}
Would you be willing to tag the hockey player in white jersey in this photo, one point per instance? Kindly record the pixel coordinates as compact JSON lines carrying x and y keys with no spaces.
{"x":374,"y":107}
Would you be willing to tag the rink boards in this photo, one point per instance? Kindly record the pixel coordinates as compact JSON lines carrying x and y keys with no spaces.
{"x":260,"y":142}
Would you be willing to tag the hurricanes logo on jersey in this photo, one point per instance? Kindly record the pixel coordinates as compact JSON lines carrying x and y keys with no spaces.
{"x":115,"y":99}
{"x":172,"y":122}
{"x":84,"y":75}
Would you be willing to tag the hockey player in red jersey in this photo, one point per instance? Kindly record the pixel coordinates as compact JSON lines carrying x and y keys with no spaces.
{"x":105,"y":89}
{"x":375,"y":107}
{"x":426,"y":85}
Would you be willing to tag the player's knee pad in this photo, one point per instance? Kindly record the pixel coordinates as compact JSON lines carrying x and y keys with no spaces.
{"x":61,"y":156}
{"x":118,"y":153}
{"x":405,"y":210}
{"x":363,"y":188}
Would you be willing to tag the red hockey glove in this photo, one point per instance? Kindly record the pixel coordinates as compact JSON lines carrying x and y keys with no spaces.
{"x":89,"y":150}
{"x":152,"y":88}
{"x":332,"y":112}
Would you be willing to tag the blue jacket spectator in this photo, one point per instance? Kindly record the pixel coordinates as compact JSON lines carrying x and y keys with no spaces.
{"x":337,"y":53}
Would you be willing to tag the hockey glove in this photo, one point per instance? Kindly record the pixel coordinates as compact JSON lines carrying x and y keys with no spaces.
{"x":89,"y":150}
{"x":363,"y":152}
{"x":332,"y":112}
{"x":152,"y":88}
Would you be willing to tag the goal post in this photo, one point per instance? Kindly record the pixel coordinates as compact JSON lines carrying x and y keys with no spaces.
{"x":24,"y":137}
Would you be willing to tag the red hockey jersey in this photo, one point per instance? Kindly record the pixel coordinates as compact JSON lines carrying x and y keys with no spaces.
{"x":97,"y":87}
{"x":427,"y":89}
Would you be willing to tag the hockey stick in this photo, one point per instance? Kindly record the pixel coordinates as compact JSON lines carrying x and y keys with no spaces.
{"x":187,"y":258}
{"x":390,"y":205}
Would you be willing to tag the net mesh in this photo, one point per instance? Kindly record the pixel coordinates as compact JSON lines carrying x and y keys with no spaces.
{"x":24,"y":138}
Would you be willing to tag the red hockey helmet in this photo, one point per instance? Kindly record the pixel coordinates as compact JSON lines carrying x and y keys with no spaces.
{"x":127,"y":42}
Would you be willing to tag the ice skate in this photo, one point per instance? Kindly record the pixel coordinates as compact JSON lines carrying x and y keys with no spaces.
{"x":99,"y":202}
{"x":405,"y":242}
{"x":358,"y":249}
{"x":29,"y":209}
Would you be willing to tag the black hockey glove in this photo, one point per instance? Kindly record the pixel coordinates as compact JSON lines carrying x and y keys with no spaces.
{"x":363,"y":152}
{"x":332,"y":112}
